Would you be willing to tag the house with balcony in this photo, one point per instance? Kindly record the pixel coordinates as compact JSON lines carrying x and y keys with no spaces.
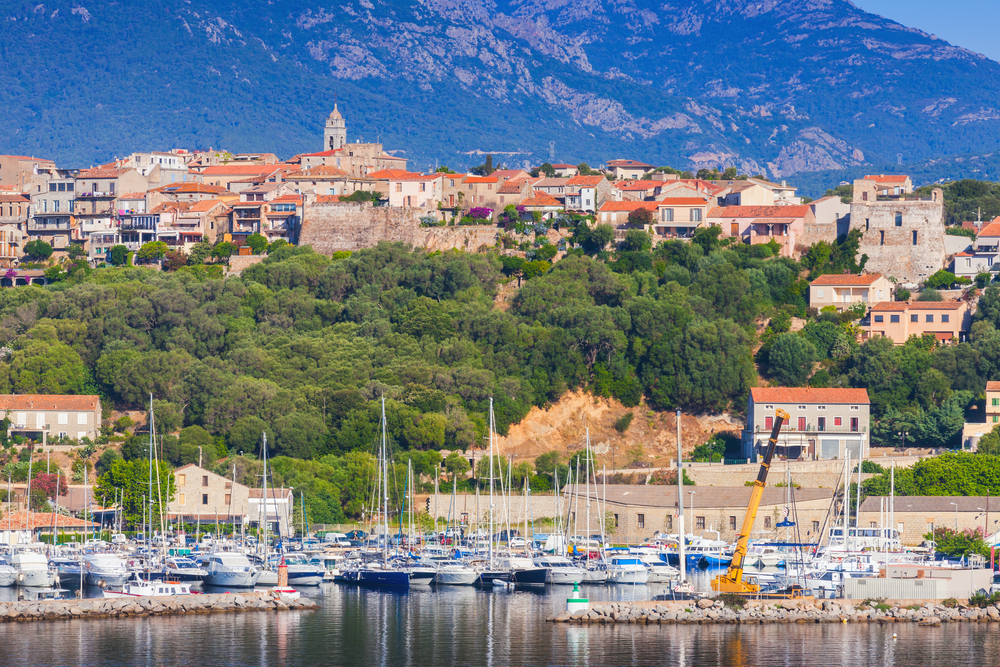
{"x":283,"y":218}
{"x":43,"y":417}
{"x":95,"y":207}
{"x":201,"y":219}
{"x":615,"y":213}
{"x":898,"y":320}
{"x":843,"y":291}
{"x":408,"y":189}
{"x":679,"y":217}
{"x":587,"y":193}
{"x":823,"y":423}
{"x":514,"y":192}
{"x":626,"y":170}
{"x":982,"y":255}
{"x":755,"y":225}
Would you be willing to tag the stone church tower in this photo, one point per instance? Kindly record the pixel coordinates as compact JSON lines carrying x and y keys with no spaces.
{"x":335,"y":134}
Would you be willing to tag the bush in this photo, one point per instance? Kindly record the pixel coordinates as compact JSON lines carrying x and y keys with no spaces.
{"x":623,"y":423}
{"x":949,"y":603}
{"x":732,"y":600}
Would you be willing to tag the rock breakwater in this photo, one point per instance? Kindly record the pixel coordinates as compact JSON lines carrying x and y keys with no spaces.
{"x":709,"y":610}
{"x":148,"y":606}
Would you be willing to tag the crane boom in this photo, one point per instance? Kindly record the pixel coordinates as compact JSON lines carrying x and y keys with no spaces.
{"x":732,"y":580}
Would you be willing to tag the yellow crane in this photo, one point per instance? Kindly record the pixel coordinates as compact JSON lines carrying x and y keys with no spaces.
{"x":732,"y":580}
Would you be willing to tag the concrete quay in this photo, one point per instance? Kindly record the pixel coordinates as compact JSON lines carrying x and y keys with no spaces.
{"x":47,"y":610}
{"x":763,"y":612}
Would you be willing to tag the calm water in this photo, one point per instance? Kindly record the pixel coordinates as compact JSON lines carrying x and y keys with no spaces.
{"x":465,"y":626}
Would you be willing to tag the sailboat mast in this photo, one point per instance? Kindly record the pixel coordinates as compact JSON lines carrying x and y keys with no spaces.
{"x":587,"y":537}
{"x":492,"y":501}
{"x":149,"y":526}
{"x":385,"y":484}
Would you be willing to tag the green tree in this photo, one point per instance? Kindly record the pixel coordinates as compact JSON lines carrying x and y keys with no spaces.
{"x":930,"y":294}
{"x":989,"y":444}
{"x":790,"y":359}
{"x":257,"y":243}
{"x":75,"y":251}
{"x":38,"y":250}
{"x":222,"y":251}
{"x":548,"y":170}
{"x":201,"y":251}
{"x":152,"y":251}
{"x":118,"y":255}
{"x":640,"y":218}
{"x":129,"y":481}
{"x":456,"y":464}
{"x":636,"y":240}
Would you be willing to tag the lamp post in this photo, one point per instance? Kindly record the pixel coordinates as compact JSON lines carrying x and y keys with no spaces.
{"x":956,"y":517}
{"x":903,"y":435}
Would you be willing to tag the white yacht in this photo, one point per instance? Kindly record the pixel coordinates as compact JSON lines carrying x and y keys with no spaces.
{"x":627,"y":570}
{"x":301,"y":572}
{"x":561,"y":570}
{"x":104,"y":569}
{"x":659,"y":571}
{"x":185,"y":570}
{"x":32,"y":569}
{"x":454,"y":573}
{"x":230,"y":569}
{"x":8,"y":575}
{"x":137,"y":587}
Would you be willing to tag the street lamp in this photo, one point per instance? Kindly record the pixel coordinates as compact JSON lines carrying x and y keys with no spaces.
{"x":956,"y":517}
{"x":903,"y":435}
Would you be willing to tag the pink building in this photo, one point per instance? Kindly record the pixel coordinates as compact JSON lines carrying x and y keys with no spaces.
{"x":898,"y":320}
{"x":755,"y":225}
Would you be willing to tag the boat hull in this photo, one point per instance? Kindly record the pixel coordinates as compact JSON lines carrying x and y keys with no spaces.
{"x":628,"y":577}
{"x":532,"y":577}
{"x":565,"y":576}
{"x":36,"y":579}
{"x":595,"y":577}
{"x":456,"y":578}
{"x":384,"y":579}
{"x":232,"y":579}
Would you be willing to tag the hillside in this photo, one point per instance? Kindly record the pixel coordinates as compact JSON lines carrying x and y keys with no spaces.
{"x":772,"y":87}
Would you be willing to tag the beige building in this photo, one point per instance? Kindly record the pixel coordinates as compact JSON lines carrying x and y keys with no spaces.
{"x":823,"y":423}
{"x":843,"y":291}
{"x":754,"y":225}
{"x":898,"y":320}
{"x":915,"y":516}
{"x":973,"y":431}
{"x":202,"y":495}
{"x":891,"y":184}
{"x":628,"y":169}
{"x":43,"y":417}
{"x":18,"y":170}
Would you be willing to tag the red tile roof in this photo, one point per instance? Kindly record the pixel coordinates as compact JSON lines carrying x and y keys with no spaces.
{"x":205,"y":205}
{"x":190,"y":187}
{"x":20,"y":521}
{"x":564,"y":166}
{"x":917,"y":305}
{"x":132,"y":195}
{"x":631,"y":186}
{"x":541,"y":199}
{"x":512,"y":187}
{"x":102,"y":172}
{"x":760,"y":211}
{"x":240,"y":170}
{"x":589,"y":181}
{"x":15,"y":199}
{"x":993,"y":385}
{"x":482,"y":179}
{"x":48,"y":402}
{"x":390,"y":174}
{"x":328,"y":199}
{"x":508,"y":173}
{"x":992,"y":229}
{"x":887,"y":178}
{"x":846,"y":279}
{"x":323,"y":153}
{"x":628,"y":163}
{"x":325,"y":170}
{"x":808,"y":395}
{"x":297,"y":199}
{"x":628,"y":205}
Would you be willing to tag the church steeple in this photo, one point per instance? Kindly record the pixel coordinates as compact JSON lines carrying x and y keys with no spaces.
{"x":335,"y":134}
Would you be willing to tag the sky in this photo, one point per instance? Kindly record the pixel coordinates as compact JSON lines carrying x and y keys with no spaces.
{"x":967,"y":23}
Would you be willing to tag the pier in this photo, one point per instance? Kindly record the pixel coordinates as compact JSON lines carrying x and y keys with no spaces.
{"x":47,"y":610}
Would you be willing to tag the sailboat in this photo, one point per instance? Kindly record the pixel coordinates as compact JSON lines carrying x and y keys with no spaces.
{"x":381,"y":574}
{"x":491,"y":573}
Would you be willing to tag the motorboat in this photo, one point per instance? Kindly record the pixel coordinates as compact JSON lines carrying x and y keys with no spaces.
{"x":378,"y":575}
{"x":523,"y":570}
{"x":627,"y":570}
{"x":33,"y":570}
{"x":138,"y":587}
{"x":454,"y":573}
{"x":104,"y":569}
{"x":303,"y":573}
{"x":69,"y":570}
{"x":659,"y":571}
{"x":8,"y":575}
{"x":230,"y":570}
{"x":561,"y":570}
{"x":185,"y":570}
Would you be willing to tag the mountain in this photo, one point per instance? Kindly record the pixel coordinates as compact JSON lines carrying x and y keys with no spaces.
{"x":781,"y":88}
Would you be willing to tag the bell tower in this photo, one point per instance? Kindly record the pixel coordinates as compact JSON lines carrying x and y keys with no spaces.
{"x":335,"y":133}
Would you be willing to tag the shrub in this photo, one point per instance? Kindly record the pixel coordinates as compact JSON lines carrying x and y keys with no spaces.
{"x":732,"y":600}
{"x":623,"y":423}
{"x":949,"y":603}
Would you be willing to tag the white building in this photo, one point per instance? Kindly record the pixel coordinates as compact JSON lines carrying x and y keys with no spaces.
{"x":44,"y":416}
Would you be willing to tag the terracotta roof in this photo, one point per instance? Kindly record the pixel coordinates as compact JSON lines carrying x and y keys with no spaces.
{"x":887,"y":178}
{"x":328,"y":199}
{"x":482,"y":179}
{"x":846,"y":279}
{"x":287,"y":199}
{"x":628,"y":163}
{"x":48,"y":402}
{"x":541,"y":199}
{"x":102,"y":172}
{"x":992,"y":229}
{"x":628,"y":205}
{"x":993,"y":385}
{"x":390,"y":174}
{"x":15,"y":199}
{"x":176,"y":206}
{"x":564,"y":166}
{"x":552,"y":182}
{"x":512,"y":187}
{"x":508,"y":173}
{"x":20,"y":521}
{"x":589,"y":181}
{"x":132,"y":195}
{"x":630,"y":186}
{"x":760,"y":211}
{"x":205,"y":205}
{"x":682,"y":201}
{"x":240,"y":170}
{"x":808,"y":395}
{"x":917,"y":305}
{"x":189,"y":187}
{"x":323,"y":153}
{"x":324,"y":170}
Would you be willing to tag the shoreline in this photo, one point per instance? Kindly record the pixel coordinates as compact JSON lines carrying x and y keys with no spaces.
{"x":762,"y":612}
{"x":54,"y":610}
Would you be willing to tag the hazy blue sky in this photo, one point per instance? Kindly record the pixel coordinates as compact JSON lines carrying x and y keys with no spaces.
{"x":968,"y":23}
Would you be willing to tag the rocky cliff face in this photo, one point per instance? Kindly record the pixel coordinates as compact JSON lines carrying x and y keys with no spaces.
{"x":775,"y":87}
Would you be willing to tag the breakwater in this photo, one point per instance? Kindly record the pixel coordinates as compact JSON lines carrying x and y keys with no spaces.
{"x":710,"y":610}
{"x":46,"y":610}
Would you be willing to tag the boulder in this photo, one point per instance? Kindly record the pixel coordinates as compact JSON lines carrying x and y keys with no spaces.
{"x":705,"y":603}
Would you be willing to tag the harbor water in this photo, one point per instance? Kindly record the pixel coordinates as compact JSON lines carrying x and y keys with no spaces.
{"x":463,"y":625}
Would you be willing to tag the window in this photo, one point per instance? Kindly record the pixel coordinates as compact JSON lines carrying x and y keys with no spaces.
{"x":854,"y":424}
{"x":914,"y":237}
{"x":944,"y":318}
{"x":854,"y":407}
{"x":815,"y":526}
{"x":881,"y":237}
{"x":667,"y":215}
{"x":866,"y":219}
{"x":183,"y":499}
{"x":204,"y":499}
{"x":899,"y":219}
{"x":399,"y":187}
{"x":63,"y":417}
{"x":873,"y":524}
{"x":996,"y":402}
{"x":767,"y":522}
{"x":641,"y":520}
{"x":769,"y":423}
{"x":616,"y":521}
{"x":819,"y":294}
{"x":696,"y":215}
{"x":894,"y":319}
{"x":229,"y":498}
{"x":670,"y":522}
{"x":838,"y":421}
{"x":878,"y":318}
{"x":732,"y":523}
{"x":769,"y":407}
{"x":69,"y":187}
{"x":821,"y":407}
{"x":62,"y":434}
{"x":52,"y":187}
{"x":802,"y":423}
{"x":821,"y":423}
{"x":55,"y":206}
{"x":699,"y":522}
{"x":802,"y":407}
{"x":204,"y":480}
{"x":996,"y":419}
{"x":928,"y":318}
{"x":181,"y":481}
{"x":914,"y":318}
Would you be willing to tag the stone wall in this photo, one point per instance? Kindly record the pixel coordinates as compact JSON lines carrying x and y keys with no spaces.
{"x":891,"y":248}
{"x":237,"y":263}
{"x":332,"y":227}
